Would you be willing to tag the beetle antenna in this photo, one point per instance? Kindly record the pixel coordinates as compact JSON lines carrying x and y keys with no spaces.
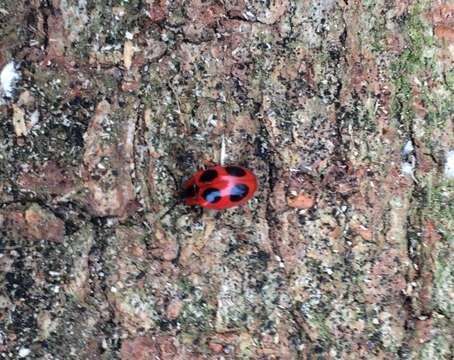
{"x":172,"y":175}
{"x":175,"y":203}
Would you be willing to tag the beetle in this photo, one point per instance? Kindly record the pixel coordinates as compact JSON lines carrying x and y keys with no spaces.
{"x":220,"y":187}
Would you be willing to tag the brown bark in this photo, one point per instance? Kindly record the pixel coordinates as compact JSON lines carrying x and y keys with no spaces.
{"x":343,"y":110}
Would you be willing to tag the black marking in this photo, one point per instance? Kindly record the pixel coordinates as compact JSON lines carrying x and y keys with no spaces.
{"x":208,"y":175}
{"x":190,"y":192}
{"x":238,"y":192}
{"x":235,"y":171}
{"x":212,"y":195}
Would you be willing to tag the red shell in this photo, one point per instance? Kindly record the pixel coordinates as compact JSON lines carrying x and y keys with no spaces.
{"x":220,"y":187}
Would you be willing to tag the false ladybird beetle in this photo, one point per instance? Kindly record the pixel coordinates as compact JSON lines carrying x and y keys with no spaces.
{"x":220,"y":187}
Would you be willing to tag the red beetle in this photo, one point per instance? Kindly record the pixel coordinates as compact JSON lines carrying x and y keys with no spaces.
{"x":220,"y":187}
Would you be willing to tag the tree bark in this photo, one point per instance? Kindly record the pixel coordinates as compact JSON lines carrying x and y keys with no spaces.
{"x":343,"y":110}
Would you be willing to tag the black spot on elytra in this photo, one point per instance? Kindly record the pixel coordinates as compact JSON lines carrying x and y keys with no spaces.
{"x":190,"y":192}
{"x":238,"y":192}
{"x":212,"y":195}
{"x":208,"y":175}
{"x":235,"y":171}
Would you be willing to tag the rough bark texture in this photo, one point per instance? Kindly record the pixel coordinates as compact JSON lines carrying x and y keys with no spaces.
{"x":344,"y":110}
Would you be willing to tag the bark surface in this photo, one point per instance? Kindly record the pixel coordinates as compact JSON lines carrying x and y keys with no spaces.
{"x":343,"y":109}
